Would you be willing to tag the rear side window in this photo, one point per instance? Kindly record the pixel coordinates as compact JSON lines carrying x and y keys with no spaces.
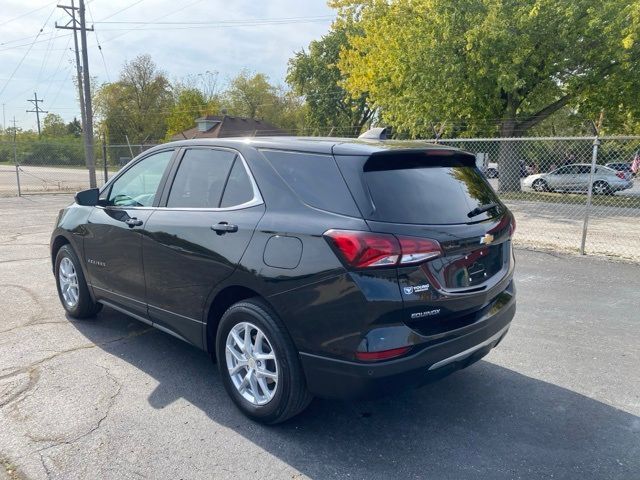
{"x":315,"y":179}
{"x":200,"y":179}
{"x":239,"y":189}
{"x":428,"y":192}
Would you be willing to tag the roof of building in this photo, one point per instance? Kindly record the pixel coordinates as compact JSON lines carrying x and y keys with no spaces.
{"x":224,"y":126}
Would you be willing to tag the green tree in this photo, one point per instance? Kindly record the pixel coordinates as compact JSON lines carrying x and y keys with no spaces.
{"x":250,"y":95}
{"x":74,"y":127}
{"x":53,"y":126}
{"x":137,"y":105}
{"x":189,"y":104}
{"x":489,"y":67}
{"x":253,"y":96}
{"x":315,"y":75}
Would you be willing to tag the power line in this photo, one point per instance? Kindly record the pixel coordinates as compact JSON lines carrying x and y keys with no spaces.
{"x":27,"y":13}
{"x":58,"y":67}
{"x":104,"y":62}
{"x":215,"y":26}
{"x":216,"y":22}
{"x":30,"y":44}
{"x":26,"y":53}
{"x":119,"y":11}
{"x":157,"y":18}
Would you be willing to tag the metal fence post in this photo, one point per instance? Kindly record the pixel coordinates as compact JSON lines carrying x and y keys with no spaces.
{"x":594,"y":158}
{"x":104,"y":158}
{"x":15,"y":160}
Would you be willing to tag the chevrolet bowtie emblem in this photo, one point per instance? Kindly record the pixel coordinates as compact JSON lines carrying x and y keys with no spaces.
{"x":487,"y":239}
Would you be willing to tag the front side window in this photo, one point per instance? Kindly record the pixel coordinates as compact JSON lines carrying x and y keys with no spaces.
{"x":561,"y":171}
{"x":201,"y":178}
{"x":138,"y":186}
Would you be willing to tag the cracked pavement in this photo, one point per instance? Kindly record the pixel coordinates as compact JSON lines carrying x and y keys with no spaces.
{"x":113,"y":398}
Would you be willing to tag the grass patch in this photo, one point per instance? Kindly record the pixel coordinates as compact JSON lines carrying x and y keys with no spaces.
{"x":620,"y":201}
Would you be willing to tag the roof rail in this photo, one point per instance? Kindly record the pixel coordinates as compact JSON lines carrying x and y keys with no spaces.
{"x":377,"y":133}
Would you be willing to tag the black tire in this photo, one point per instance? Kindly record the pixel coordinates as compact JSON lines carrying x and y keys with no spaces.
{"x":85,"y":306}
{"x":291,"y":395}
{"x":601,"y":188}
{"x":540,"y":186}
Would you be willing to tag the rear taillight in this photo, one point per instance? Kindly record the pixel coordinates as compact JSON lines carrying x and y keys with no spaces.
{"x":415,"y":249}
{"x":620,"y":175}
{"x":366,"y":249}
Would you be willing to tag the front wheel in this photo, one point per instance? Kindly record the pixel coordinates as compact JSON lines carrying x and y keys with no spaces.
{"x":540,"y":186}
{"x":259,"y":364}
{"x":601,"y":188}
{"x":72,"y":287}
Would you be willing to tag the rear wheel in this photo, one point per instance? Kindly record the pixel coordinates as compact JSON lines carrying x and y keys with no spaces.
{"x":259,"y":364}
{"x":540,"y":186}
{"x":72,"y":286}
{"x":601,"y":188}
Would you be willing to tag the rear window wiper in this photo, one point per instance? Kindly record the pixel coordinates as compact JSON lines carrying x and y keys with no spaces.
{"x":482,"y":209}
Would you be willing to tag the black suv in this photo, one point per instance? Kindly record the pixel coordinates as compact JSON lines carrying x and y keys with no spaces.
{"x":304,"y":266}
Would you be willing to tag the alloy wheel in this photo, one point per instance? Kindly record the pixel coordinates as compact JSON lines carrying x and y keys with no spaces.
{"x":68,"y":278}
{"x":252,"y":363}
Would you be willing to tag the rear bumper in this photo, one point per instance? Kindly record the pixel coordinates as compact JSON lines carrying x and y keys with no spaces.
{"x":333,"y":378}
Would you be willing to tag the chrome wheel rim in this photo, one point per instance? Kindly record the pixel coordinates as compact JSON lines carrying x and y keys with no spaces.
{"x":252,"y":364}
{"x":68,"y":278}
{"x":599,"y":188}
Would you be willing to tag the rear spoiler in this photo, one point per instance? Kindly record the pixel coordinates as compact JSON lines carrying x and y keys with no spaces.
{"x":401,"y":159}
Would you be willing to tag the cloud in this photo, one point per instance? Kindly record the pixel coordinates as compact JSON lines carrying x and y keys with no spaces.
{"x":179,"y":50}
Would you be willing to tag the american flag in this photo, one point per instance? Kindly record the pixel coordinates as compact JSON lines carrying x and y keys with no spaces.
{"x":635,"y":165}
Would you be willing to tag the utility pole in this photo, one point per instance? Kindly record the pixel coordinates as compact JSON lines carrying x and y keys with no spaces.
{"x":37,"y":110}
{"x":84,"y":86}
{"x":15,"y":155}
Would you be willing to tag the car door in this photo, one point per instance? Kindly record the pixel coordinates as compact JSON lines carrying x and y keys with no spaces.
{"x":581,"y":177}
{"x":196,"y":238}
{"x":558,"y":179}
{"x":113,"y":243}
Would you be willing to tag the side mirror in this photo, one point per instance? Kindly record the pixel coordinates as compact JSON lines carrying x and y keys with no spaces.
{"x":87,"y":198}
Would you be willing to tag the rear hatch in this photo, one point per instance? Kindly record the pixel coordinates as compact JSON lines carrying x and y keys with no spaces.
{"x":437,"y":194}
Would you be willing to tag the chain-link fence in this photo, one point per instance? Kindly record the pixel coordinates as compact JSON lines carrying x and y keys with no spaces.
{"x":57,"y":166}
{"x":574,"y":194}
{"x":563,"y":191}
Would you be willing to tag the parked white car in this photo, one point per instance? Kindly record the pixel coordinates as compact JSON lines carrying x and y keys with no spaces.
{"x":575,"y":178}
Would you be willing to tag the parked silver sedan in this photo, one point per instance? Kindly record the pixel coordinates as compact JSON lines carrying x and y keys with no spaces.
{"x":575,"y":178}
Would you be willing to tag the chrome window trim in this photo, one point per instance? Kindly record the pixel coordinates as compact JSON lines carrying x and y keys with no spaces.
{"x":255,"y":201}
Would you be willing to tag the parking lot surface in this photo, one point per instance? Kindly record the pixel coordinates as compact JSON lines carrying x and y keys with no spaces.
{"x":113,"y":398}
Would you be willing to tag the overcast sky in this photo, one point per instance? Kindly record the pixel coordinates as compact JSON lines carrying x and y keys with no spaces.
{"x":209,"y":40}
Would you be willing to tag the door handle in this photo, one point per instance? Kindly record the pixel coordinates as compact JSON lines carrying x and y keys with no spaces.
{"x":133,"y":222}
{"x":224,"y":227}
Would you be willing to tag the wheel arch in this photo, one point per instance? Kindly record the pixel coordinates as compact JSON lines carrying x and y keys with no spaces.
{"x":56,"y":244}
{"x":219,"y":304}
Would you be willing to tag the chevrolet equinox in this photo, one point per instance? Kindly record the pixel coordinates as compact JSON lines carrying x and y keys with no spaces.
{"x":304,"y":266}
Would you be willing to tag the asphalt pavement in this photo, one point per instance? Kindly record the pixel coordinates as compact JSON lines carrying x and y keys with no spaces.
{"x":112,"y":398}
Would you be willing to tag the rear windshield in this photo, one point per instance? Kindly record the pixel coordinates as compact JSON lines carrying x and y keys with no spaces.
{"x":428,"y":192}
